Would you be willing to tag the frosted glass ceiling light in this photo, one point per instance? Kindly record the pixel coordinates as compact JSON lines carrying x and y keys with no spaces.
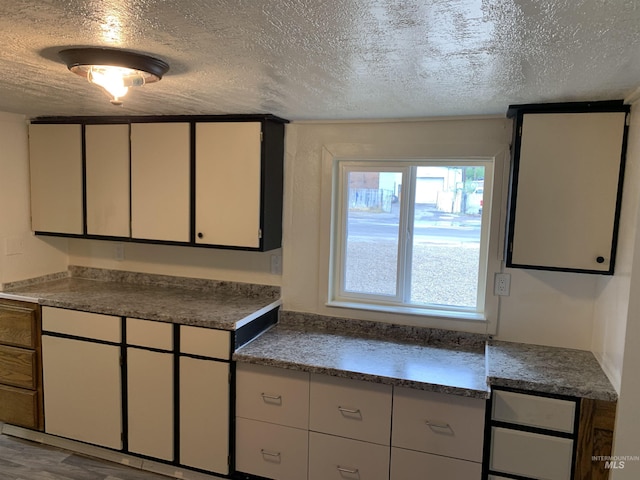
{"x":114,"y":70}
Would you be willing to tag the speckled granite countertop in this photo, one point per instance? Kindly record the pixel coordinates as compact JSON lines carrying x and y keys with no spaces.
{"x":427,"y":359}
{"x":204,"y":303}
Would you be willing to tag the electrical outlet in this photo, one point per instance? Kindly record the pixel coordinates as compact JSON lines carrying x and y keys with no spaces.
{"x":276,"y":264}
{"x":119,"y":252}
{"x":502,"y":284}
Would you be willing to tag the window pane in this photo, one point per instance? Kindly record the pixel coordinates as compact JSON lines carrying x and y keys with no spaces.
{"x":372,"y":232}
{"x":446,"y":235}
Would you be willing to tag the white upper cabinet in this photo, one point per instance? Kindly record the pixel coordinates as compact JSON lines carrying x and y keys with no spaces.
{"x":566,"y":190}
{"x":228,"y":164}
{"x":107,"y":179}
{"x":160,"y":181}
{"x":55,"y":155}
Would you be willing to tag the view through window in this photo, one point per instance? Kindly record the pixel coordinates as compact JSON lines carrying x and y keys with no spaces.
{"x":412,"y":235}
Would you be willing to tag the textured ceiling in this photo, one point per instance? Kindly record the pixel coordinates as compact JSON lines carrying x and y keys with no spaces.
{"x":325,"y":59}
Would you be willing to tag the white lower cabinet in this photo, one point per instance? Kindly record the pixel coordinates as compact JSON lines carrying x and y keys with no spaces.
{"x":82,"y":390}
{"x":204,"y":414}
{"x":412,"y":465}
{"x":270,"y":450}
{"x":338,"y":458}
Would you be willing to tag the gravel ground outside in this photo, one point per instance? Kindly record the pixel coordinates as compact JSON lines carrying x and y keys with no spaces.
{"x":442,"y":273}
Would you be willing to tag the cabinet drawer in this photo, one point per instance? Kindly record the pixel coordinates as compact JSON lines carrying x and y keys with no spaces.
{"x":81,"y":324}
{"x":405,"y":464}
{"x":145,"y":333}
{"x":530,"y":454}
{"x":336,"y":458}
{"x":271,"y":451}
{"x":19,"y":407}
{"x":350,"y":408}
{"x":205,"y":342}
{"x":18,"y":367}
{"x":438,"y":423}
{"x":17,"y":326}
{"x":273,"y":395}
{"x":534,"y":411}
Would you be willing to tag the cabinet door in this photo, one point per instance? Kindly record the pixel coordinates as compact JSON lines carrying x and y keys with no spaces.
{"x":204,"y":414}
{"x":150,"y":403}
{"x":55,"y":158}
{"x":160,"y":181}
{"x":107,"y":179}
{"x":406,"y":463}
{"x":565,"y":197}
{"x":228,"y":183}
{"x":82,"y":391}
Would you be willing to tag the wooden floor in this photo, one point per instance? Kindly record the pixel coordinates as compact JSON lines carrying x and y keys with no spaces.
{"x":25,"y":460}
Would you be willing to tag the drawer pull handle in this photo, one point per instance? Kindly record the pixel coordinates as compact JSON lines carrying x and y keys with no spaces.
{"x":271,"y":398}
{"x":350,"y":471}
{"x":350,"y":411}
{"x":273,"y":455}
{"x":439,"y":427}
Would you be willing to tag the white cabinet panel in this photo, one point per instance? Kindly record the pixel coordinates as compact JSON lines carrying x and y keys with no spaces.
{"x":534,"y":411}
{"x":150,"y":334}
{"x":272,"y":395}
{"x":438,"y":423}
{"x":107,"y":179}
{"x":271,"y":451}
{"x":160,"y":181}
{"x":204,"y":414}
{"x":150,"y":403}
{"x":82,"y":391}
{"x":81,"y":324}
{"x":567,"y":189}
{"x":350,"y":408}
{"x":55,"y":157}
{"x":228,"y":183}
{"x":206,"y":342}
{"x":530,"y":454}
{"x":341,"y":458}
{"x":410,"y":465}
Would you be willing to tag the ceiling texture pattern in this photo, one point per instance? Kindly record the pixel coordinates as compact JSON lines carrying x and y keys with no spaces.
{"x":325,"y":59}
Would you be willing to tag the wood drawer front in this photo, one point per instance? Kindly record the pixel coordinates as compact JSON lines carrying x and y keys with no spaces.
{"x":271,"y":451}
{"x":350,"y":408}
{"x":18,"y":326}
{"x":530,"y":454}
{"x":81,"y":324}
{"x":146,"y":333}
{"x":19,"y":407}
{"x":273,"y":395}
{"x":438,"y":423}
{"x":406,"y":463}
{"x":205,"y":342}
{"x":18,"y":367}
{"x":336,"y":458}
{"x":534,"y":411}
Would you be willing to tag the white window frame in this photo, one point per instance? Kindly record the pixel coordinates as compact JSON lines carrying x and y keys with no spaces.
{"x":339,"y":296}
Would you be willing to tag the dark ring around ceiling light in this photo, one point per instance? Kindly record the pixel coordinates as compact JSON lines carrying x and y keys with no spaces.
{"x":125,"y":67}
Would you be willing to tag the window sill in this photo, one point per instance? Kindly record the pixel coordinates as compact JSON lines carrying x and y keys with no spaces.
{"x":404,"y":310}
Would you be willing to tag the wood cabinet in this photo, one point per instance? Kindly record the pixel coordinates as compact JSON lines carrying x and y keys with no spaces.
{"x":567,"y":171}
{"x":55,"y":165}
{"x":20,"y":364}
{"x":160,"y":181}
{"x":199,"y":181}
{"x":82,"y":380}
{"x":107,"y":179}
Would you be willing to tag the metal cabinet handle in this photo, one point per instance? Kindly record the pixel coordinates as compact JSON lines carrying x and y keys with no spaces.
{"x":351,"y":411}
{"x":274,"y":398}
{"x":351,"y":471}
{"x":268,"y":453}
{"x":439,"y":426}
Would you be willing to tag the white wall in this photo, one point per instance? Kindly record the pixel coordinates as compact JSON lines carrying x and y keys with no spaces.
{"x":22,"y":255}
{"x":547,"y":308}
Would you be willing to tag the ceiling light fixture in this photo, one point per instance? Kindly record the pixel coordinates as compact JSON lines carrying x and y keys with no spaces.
{"x":114,"y":70}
